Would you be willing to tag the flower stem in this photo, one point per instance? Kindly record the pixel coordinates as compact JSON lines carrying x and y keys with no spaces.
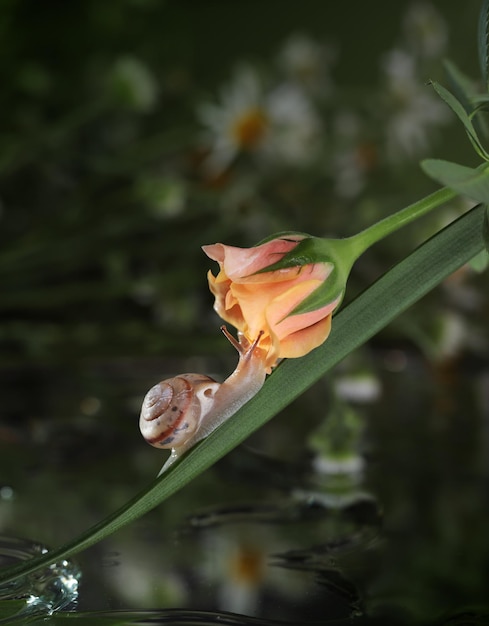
{"x":371,"y":235}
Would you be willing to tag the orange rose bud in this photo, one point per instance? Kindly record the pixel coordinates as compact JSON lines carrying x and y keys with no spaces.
{"x":255,"y":300}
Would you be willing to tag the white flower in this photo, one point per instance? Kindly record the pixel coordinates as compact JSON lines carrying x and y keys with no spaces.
{"x":295,"y":128}
{"x":425,"y":30}
{"x":400,"y":71}
{"x":362,"y":388}
{"x":353,"y":157}
{"x":239,"y":122}
{"x":308,"y":62}
{"x":279,"y":125}
{"x":349,"y":173}
{"x":237,"y":562}
{"x":408,"y":131}
{"x":416,"y":110}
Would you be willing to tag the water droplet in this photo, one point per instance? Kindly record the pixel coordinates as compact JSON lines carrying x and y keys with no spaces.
{"x":52,"y":588}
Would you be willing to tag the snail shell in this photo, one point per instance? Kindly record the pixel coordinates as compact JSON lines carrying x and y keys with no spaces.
{"x":173,"y":409}
{"x":180,"y":411}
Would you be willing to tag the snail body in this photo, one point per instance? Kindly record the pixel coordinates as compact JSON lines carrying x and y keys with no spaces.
{"x":180,"y":411}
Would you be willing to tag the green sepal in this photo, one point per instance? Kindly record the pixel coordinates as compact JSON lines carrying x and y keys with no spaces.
{"x":332,"y":289}
{"x":308,"y":250}
{"x":339,"y":253}
{"x":283,"y":234}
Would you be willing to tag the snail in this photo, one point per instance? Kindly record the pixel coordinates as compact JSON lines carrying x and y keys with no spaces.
{"x":180,"y":411}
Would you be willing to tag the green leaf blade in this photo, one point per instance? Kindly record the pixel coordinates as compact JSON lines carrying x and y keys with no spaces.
{"x":485,"y":229}
{"x":461,"y":85}
{"x":472,"y":182}
{"x":462,"y":115}
{"x":389,"y":296}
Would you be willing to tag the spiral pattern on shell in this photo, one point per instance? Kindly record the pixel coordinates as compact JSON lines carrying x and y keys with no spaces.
{"x":171,"y":411}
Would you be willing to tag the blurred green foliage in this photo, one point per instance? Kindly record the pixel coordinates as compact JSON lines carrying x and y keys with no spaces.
{"x":103,"y":207}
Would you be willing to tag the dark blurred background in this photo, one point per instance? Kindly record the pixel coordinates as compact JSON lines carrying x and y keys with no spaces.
{"x":104,"y":203}
{"x":134,"y":131}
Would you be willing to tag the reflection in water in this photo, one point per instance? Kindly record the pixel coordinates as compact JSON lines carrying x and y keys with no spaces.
{"x":51,"y":589}
{"x":305,"y":506}
{"x":185,"y":618}
{"x":289,"y":538}
{"x":250,"y":558}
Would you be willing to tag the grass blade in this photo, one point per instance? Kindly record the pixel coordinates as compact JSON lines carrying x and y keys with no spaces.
{"x":394,"y":292}
{"x":467,"y":181}
{"x":461,"y":113}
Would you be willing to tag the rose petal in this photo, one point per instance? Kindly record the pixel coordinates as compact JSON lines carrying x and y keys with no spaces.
{"x":240,"y":263}
{"x":278,"y":311}
{"x":303,"y":341}
{"x":262,"y":303}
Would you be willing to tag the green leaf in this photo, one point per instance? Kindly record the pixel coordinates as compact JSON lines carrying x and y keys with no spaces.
{"x":462,"y":85}
{"x":473,"y":183}
{"x":394,"y":292}
{"x":465,"y":91}
{"x":461,"y":113}
{"x":480,"y":262}
{"x":483,"y":42}
{"x":486,"y":228}
{"x":481,"y":100}
{"x":11,"y":610}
